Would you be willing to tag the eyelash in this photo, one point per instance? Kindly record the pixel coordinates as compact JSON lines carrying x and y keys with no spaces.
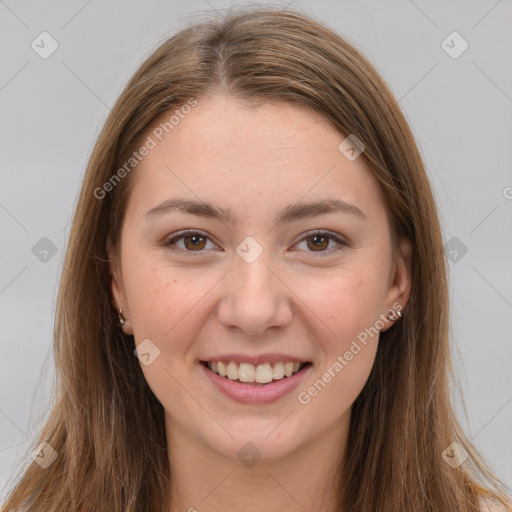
{"x":327,"y":234}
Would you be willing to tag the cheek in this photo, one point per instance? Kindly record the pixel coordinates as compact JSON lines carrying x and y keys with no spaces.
{"x":350,"y":308}
{"x":166,"y":307}
{"x":347,"y":303}
{"x":149,"y":290}
{"x":167,"y":304}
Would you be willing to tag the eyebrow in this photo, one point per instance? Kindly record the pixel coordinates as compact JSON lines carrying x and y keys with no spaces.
{"x":291,"y":213}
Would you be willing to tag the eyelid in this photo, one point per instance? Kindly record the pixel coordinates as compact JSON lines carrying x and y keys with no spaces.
{"x":342,"y":243}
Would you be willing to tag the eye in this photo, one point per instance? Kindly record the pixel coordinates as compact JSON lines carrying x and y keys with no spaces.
{"x":320,"y":241}
{"x":196,"y":241}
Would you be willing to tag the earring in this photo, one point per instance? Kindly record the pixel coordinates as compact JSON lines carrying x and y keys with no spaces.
{"x":391,"y":316}
{"x":122,"y":319}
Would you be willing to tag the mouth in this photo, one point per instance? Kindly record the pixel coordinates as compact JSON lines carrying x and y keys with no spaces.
{"x":256,"y":375}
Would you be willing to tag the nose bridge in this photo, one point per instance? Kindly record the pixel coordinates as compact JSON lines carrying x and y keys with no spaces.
{"x":251,"y":267}
{"x":254,"y":298}
{"x":255,"y":278}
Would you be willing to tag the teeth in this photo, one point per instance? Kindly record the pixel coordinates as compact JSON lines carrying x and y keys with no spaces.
{"x":247,"y":372}
{"x":263,"y":373}
{"x":232,"y":370}
{"x":278,"y":371}
{"x":221,"y":369}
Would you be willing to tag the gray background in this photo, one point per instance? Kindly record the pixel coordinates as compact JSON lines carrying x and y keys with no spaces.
{"x":459,"y":109}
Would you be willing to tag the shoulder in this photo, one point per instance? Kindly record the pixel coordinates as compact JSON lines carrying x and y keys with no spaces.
{"x":488,"y":505}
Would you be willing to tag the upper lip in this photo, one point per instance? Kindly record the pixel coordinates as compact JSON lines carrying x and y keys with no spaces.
{"x":256,"y":359}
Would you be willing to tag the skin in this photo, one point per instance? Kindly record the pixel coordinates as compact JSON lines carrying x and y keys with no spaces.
{"x":294,"y":298}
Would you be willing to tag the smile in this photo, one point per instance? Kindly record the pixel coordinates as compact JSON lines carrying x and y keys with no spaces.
{"x":240,"y":382}
{"x":254,"y":374}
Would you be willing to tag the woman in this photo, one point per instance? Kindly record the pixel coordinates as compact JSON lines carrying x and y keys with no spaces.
{"x":254,"y":308}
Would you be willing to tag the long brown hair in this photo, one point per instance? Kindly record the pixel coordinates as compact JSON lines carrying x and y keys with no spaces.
{"x":106,"y":425}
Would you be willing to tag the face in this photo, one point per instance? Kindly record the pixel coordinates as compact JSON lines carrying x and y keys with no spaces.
{"x":267,"y":281}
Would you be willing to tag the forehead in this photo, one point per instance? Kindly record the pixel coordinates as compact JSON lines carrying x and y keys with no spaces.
{"x":247,"y":157}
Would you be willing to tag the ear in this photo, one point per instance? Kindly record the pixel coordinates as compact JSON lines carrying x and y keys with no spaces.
{"x":400,"y":282}
{"x":117,"y":292}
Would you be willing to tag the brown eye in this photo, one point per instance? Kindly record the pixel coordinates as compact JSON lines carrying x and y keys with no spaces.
{"x":193,"y":241}
{"x":318,"y":242}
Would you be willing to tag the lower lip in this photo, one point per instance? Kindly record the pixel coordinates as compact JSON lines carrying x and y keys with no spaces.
{"x":251,"y":394}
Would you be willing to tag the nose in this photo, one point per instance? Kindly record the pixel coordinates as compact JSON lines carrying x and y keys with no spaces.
{"x":255,"y":297}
